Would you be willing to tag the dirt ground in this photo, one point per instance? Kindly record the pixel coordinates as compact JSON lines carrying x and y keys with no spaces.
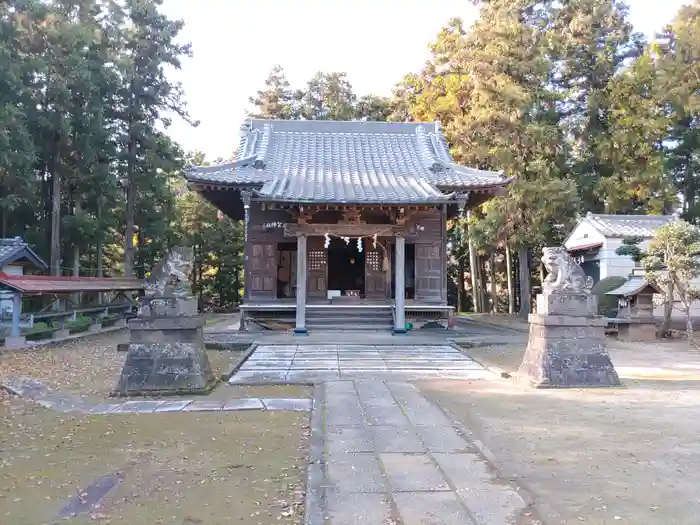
{"x":90,"y":368}
{"x":181,"y":469}
{"x":597,"y":456}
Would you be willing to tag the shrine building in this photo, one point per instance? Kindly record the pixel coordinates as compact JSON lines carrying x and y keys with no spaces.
{"x":345,"y":222}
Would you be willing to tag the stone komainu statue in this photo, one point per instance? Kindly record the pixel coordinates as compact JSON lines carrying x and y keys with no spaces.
{"x":565,"y":275}
{"x":170,"y":279}
{"x":171,"y":276}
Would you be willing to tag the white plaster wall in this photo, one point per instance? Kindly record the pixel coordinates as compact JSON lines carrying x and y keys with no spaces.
{"x":678,"y":306}
{"x":6,"y":302}
{"x":582,"y":235}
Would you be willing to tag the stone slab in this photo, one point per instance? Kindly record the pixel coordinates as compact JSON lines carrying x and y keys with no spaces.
{"x":490,"y":501}
{"x":355,"y":472}
{"x":141,"y":406}
{"x":204,"y":406}
{"x":441,"y":439}
{"x":396,"y":439}
{"x":412,"y":472}
{"x":287,"y":404}
{"x":380,"y":415}
{"x":167,"y":323}
{"x":87,"y":499}
{"x":247,"y":376}
{"x":431,"y":508}
{"x":358,"y":509}
{"x":349,"y":439}
{"x":567,"y":304}
{"x":173,"y":406}
{"x":252,"y":403}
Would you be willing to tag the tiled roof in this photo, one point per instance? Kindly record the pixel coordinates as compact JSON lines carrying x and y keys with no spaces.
{"x":633,"y":286}
{"x":350,"y":161}
{"x":628,"y":225}
{"x":15,"y":249}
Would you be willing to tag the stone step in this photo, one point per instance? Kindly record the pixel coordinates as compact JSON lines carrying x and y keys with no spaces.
{"x":350,"y":328}
{"x":340,"y":321}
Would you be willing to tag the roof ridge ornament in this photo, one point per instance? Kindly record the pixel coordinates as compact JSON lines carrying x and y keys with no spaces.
{"x":259,"y":163}
{"x":426,"y":157}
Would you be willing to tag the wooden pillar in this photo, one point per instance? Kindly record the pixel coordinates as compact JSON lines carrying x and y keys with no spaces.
{"x":16,"y":311}
{"x":474,"y":272}
{"x":400,"y":286}
{"x":245,"y":197}
{"x":300,"y":328}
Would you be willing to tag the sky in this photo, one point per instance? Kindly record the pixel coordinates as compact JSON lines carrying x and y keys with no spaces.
{"x":235,"y":43}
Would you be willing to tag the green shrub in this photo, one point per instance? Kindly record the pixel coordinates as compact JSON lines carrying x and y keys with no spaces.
{"x":607,"y":304}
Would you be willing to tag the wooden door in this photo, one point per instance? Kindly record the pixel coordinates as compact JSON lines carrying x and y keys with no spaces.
{"x":375,"y":278}
{"x":429,"y":272}
{"x":263,"y":270}
{"x":317,"y":268}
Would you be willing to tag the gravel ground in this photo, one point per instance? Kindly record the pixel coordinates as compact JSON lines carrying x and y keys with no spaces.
{"x":90,"y":368}
{"x":597,"y":456}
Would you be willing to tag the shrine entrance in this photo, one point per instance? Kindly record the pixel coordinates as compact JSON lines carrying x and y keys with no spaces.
{"x":346,"y":269}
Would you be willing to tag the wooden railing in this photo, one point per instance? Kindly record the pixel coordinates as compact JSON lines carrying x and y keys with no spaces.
{"x":37,"y":326}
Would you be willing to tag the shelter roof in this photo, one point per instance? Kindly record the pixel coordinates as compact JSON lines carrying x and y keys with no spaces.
{"x":42,"y":284}
{"x":634,"y":285}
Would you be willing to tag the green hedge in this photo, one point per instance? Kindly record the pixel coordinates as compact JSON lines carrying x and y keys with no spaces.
{"x":607,"y":304}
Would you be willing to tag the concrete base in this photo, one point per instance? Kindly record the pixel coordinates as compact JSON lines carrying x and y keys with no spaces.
{"x":400,"y":331}
{"x":61,"y":333}
{"x":166,"y":356}
{"x":637,"y":330}
{"x":301,"y":331}
{"x":566,"y":350}
{"x":15,"y":342}
{"x":165,"y":369}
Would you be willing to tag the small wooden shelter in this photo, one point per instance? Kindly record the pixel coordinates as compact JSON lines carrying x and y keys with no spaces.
{"x":635,"y":308}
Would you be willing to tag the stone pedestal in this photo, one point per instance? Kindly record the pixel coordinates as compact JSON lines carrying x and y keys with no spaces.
{"x":567,"y":345}
{"x":166,"y":356}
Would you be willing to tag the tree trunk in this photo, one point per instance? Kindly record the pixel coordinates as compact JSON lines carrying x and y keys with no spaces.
{"x":509,"y":280}
{"x":668,"y":309}
{"x":4,"y":220}
{"x":494,"y":287}
{"x":524,"y":271}
{"x":688,"y":324}
{"x":483,"y":289}
{"x":55,"y":258}
{"x":130,"y":203}
{"x":99,"y":247}
{"x":76,"y":257}
{"x":473,"y":271}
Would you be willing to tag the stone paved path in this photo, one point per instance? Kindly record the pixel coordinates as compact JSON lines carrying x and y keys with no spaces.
{"x":42,"y":395}
{"x":314,"y":363}
{"x":391,"y":455}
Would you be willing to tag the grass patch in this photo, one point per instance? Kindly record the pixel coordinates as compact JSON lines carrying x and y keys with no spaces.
{"x":209,"y":468}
